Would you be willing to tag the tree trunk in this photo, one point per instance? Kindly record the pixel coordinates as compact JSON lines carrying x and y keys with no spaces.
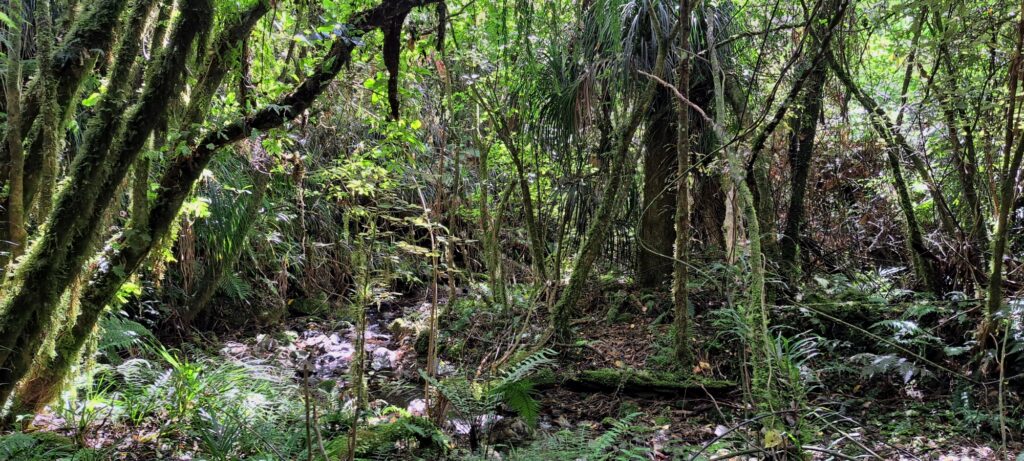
{"x":126,"y":253}
{"x":1008,"y":187}
{"x":622,"y":167}
{"x":537,"y":246}
{"x":925,"y":261}
{"x":91,"y":36}
{"x":57,"y":258}
{"x":657,"y":233}
{"x":965,"y":159}
{"x":708,"y":202}
{"x":50,"y":121}
{"x":801,"y":148}
{"x":16,"y":205}
{"x":681,"y":250}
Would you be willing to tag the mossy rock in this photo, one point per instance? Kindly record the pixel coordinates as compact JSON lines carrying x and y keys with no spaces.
{"x":382,"y":439}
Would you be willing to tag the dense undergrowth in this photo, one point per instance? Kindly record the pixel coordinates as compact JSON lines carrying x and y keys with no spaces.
{"x":511,"y":230}
{"x":893,"y":388}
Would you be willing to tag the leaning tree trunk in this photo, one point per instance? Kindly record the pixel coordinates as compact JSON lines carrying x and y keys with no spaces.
{"x":924,"y":259}
{"x":537,"y":246}
{"x":91,"y":36}
{"x":57,"y":258}
{"x":124,"y":255}
{"x":622,"y":167}
{"x":801,"y":148}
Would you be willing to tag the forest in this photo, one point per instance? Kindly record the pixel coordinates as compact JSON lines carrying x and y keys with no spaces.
{"x":493,"y":230}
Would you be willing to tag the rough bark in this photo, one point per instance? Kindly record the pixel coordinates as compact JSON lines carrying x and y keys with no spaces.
{"x":801,"y":148}
{"x":656,"y":233}
{"x":56,"y":259}
{"x":124,"y":255}
{"x":681,"y":247}
{"x":12,"y":89}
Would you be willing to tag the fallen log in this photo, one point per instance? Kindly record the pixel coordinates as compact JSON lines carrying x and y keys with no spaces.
{"x":633,"y":381}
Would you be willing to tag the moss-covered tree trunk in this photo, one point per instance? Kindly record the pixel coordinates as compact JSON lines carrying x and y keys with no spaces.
{"x":621,"y":168}
{"x":490,"y":229}
{"x":57,"y":258}
{"x":49,"y":117}
{"x":681,"y":246}
{"x":91,"y":36}
{"x":925,"y":261}
{"x":769,"y":392}
{"x":141,"y":168}
{"x":538,"y":250}
{"x":801,"y":149}
{"x":124,"y":255}
{"x":1007,"y":188}
{"x":12,"y":88}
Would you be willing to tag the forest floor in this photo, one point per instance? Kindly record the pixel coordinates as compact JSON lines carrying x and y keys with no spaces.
{"x":615,"y":372}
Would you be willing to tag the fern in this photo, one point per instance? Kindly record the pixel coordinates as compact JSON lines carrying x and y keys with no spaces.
{"x":881,"y":364}
{"x":600,"y":446}
{"x":119,"y":333}
{"x":235,"y":287}
{"x":527,"y":367}
{"x":513,"y":389}
{"x":517,"y":395}
{"x":462,"y":395}
{"x":42,"y":446}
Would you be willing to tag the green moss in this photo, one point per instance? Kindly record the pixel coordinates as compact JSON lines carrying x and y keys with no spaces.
{"x":311,"y":306}
{"x":544,"y":377}
{"x":611,"y":377}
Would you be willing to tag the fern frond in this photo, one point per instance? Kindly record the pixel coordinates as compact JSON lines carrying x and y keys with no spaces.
{"x":599,"y":446}
{"x":119,"y":333}
{"x":527,"y":367}
{"x":518,"y":396}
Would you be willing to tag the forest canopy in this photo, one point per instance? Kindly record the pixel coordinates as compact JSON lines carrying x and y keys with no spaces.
{"x":511,"y":229}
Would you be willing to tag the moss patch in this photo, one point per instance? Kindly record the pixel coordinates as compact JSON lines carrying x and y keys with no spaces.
{"x":648,"y":379}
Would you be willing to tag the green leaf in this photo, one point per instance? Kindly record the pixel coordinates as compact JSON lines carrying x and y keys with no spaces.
{"x":7,"y":20}
{"x":91,"y":100}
